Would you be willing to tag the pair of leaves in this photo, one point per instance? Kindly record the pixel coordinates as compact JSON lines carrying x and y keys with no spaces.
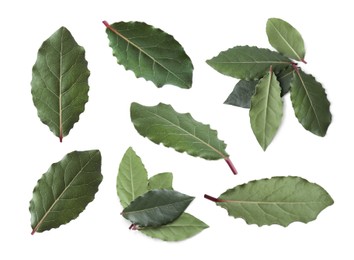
{"x":152,"y":204}
{"x":255,"y":90}
{"x":162,"y":124}
{"x":64,"y":191}
{"x":279,"y":200}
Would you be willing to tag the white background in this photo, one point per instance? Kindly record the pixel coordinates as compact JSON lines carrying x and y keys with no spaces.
{"x":204,"y":28}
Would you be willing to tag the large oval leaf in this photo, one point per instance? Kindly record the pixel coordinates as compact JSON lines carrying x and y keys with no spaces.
{"x":132,"y":178}
{"x":266,"y":109}
{"x":65,"y":189}
{"x":60,"y":82}
{"x":182,"y":228}
{"x":285,"y":39}
{"x":156,"y":208}
{"x":150,"y":53}
{"x":249,"y":63}
{"x":310,"y":103}
{"x":279,"y":200}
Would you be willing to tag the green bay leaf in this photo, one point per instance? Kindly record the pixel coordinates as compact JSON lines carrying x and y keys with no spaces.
{"x":60,"y":82}
{"x":279,"y":200}
{"x":161,"y":181}
{"x":248,"y":63}
{"x":182,"y":228}
{"x":284,"y":77}
{"x":150,"y":53}
{"x":266,"y":109}
{"x":242,"y":93}
{"x":310,"y":103}
{"x":132,"y":178}
{"x":64,"y":191}
{"x":156,"y":208}
{"x":285,"y":39}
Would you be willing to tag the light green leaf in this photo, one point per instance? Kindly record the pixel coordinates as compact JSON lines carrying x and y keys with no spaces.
{"x":64,"y":191}
{"x":161,"y":181}
{"x":156,"y":208}
{"x":150,"y":53}
{"x":248,"y":63}
{"x":266,"y":109}
{"x":132,"y":179}
{"x":285,"y":39}
{"x":310,"y":103}
{"x":60,"y":82}
{"x":279,"y":200}
{"x":182,"y":228}
{"x":162,"y":124}
{"x":242,"y":93}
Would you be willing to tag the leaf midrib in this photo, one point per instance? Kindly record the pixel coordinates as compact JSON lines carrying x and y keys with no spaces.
{"x":60,"y":195}
{"x":60,"y":88}
{"x":270,"y":202}
{"x":253,"y":62}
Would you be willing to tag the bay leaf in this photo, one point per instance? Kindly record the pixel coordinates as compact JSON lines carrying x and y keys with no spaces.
{"x":284,"y":77}
{"x":64,"y":191}
{"x":150,"y":53}
{"x":242,"y":93}
{"x":161,"y":181}
{"x":60,"y":82}
{"x":279,"y":200}
{"x":132,"y":178}
{"x":156,"y":208}
{"x":248,"y":63}
{"x":182,"y":228}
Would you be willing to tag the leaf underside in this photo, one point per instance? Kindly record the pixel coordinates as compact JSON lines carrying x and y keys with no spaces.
{"x":60,"y":82}
{"x":150,"y":53}
{"x":161,"y":181}
{"x":248,"y":63}
{"x":156,"y":208}
{"x":266,"y":109}
{"x":132,"y":178}
{"x":285,"y":39}
{"x":65,"y":189}
{"x":279,"y":200}
{"x":162,"y":124}
{"x":182,"y":228}
{"x":310,"y":103}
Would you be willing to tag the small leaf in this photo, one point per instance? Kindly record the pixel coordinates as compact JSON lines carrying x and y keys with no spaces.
{"x":161,"y":181}
{"x":285,"y":39}
{"x":310,"y":103}
{"x":60,"y":82}
{"x":284,"y":77}
{"x":132,"y":179}
{"x":156,"y":208}
{"x":150,"y":53}
{"x":65,"y":189}
{"x":242,"y":93}
{"x":182,"y":228}
{"x":266,"y":109}
{"x":279,"y":200}
{"x":248,"y":63}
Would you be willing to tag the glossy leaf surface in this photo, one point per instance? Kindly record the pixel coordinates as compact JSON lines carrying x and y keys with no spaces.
{"x":279,"y":200}
{"x":60,"y":82}
{"x":64,"y":191}
{"x":248,"y":63}
{"x":161,"y":181}
{"x":156,"y":208}
{"x":310,"y":103}
{"x":285,"y":39}
{"x":150,"y":53}
{"x":162,"y":124}
{"x":132,"y":179}
{"x":266,"y":109}
{"x":182,"y":228}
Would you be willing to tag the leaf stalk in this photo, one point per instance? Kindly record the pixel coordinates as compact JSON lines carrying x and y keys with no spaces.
{"x":231,"y":165}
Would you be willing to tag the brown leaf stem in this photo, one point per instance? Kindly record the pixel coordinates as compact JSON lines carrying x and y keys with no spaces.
{"x":208,"y":197}
{"x":231,"y":165}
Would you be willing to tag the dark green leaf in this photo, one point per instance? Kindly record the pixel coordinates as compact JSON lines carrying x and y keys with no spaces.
{"x":284,"y":77}
{"x":182,"y":228}
{"x":161,"y":181}
{"x":60,"y":82}
{"x":156,"y":208}
{"x":242,"y":93}
{"x":285,"y":39}
{"x":249,"y":63}
{"x":162,"y":124}
{"x":279,"y":200}
{"x":310,"y":103}
{"x":132,"y":179}
{"x":65,"y":189}
{"x":150,"y":53}
{"x":266,"y":109}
